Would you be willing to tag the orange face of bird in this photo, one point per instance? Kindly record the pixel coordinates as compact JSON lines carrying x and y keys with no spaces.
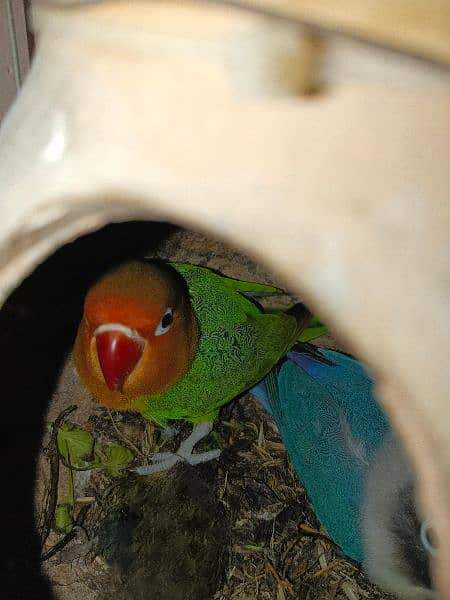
{"x":138,"y":334}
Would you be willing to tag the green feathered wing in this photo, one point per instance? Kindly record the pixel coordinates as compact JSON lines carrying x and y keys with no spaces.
{"x":238,"y":345}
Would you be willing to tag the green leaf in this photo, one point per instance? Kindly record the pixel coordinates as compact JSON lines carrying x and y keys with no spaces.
{"x":116,"y":458}
{"x":253,"y":548}
{"x":75,"y":444}
{"x":64,"y":517}
{"x":248,"y":549}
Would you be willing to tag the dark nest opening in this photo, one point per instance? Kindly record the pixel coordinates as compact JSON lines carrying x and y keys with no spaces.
{"x":240,"y":527}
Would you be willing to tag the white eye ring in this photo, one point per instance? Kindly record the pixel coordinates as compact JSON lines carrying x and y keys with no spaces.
{"x":424,"y":528}
{"x":166,"y":322}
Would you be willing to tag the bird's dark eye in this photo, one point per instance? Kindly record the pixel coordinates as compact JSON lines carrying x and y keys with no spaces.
{"x":428,"y":537}
{"x":165,"y":323}
{"x":166,"y":320}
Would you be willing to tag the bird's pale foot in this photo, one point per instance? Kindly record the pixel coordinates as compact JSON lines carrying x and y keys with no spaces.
{"x":163,"y":461}
{"x":169,"y":432}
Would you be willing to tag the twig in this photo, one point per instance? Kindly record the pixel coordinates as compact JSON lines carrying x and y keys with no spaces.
{"x":329,"y":567}
{"x":78,"y":524}
{"x":52,"y":498}
{"x":59,"y":545}
{"x":283,"y":583}
{"x":268,"y":487}
{"x":81,"y":516}
{"x":290,"y":548}
{"x":124,"y":439}
{"x":225,"y":483}
{"x":308,"y":531}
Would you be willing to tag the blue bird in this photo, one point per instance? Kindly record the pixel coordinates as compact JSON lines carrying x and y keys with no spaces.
{"x":358,"y":480}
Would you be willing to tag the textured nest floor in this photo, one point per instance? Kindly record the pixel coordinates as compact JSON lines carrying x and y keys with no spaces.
{"x":236,"y":528}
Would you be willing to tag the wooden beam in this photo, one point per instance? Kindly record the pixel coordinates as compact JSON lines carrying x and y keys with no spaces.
{"x":419,"y":27}
{"x":14,"y":55}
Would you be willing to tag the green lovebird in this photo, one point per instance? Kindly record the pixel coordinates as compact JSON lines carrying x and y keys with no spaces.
{"x":177,"y":341}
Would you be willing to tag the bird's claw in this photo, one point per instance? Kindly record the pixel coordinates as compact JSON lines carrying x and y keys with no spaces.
{"x":196,"y":459}
{"x":164,"y":461}
{"x":158,"y":466}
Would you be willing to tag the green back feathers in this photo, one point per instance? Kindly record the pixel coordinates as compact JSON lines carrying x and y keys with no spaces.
{"x":238,"y":345}
{"x":219,"y":287}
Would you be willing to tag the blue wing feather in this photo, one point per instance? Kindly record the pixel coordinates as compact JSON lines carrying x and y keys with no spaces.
{"x":331,"y":425}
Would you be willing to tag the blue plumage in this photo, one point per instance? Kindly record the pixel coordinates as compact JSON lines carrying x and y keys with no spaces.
{"x":331,"y":425}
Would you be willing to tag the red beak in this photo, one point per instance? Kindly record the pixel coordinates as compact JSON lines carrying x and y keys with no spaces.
{"x":118,"y":354}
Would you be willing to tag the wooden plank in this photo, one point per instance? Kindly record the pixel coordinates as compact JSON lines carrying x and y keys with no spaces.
{"x":14,"y":57}
{"x":420,"y":27}
{"x":8,"y":86}
{"x":21,"y":37}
